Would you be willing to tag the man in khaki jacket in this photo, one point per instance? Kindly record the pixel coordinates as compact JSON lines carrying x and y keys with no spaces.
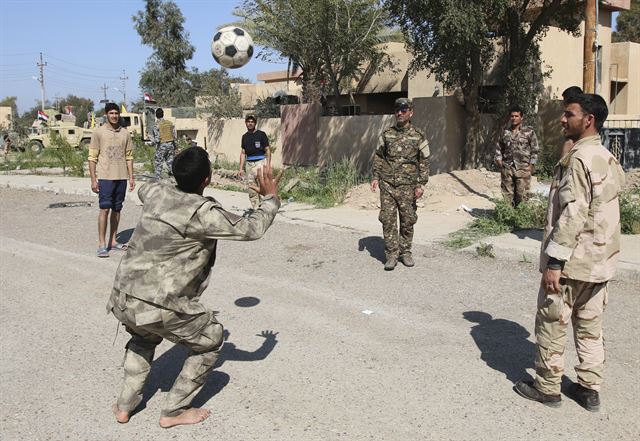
{"x":579,"y":254}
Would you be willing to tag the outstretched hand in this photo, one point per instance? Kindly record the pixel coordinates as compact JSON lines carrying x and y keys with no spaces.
{"x":267,"y":184}
{"x":268,"y":335}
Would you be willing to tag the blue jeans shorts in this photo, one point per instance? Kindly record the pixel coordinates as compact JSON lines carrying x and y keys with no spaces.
{"x":111,"y":193}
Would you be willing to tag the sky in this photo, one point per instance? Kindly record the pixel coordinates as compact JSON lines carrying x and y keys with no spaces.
{"x":88,"y":43}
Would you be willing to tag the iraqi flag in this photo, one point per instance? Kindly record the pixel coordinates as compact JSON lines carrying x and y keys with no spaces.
{"x":148,"y":98}
{"x":43,"y":116}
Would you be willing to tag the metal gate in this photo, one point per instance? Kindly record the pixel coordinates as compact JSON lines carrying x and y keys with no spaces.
{"x":624,"y":144}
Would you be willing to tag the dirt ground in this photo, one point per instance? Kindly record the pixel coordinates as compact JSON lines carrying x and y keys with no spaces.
{"x":444,"y":192}
{"x":449,"y":191}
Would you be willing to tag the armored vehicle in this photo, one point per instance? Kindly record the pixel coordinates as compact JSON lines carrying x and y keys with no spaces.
{"x":40,"y":133}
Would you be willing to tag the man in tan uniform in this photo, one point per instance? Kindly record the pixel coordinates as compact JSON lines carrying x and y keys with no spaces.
{"x":579,"y":254}
{"x":163,"y":273}
{"x":110,"y":167}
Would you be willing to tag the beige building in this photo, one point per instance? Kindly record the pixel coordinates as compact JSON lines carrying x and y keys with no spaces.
{"x":562,"y":58}
{"x":6,"y":118}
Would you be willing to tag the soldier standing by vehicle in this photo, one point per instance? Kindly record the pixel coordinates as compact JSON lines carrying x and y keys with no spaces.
{"x":400,"y":169}
{"x":164,"y":137}
{"x":580,"y":249}
{"x":516,"y":155}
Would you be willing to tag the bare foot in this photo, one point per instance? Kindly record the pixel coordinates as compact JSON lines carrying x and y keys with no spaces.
{"x":121,"y":416}
{"x":189,"y":416}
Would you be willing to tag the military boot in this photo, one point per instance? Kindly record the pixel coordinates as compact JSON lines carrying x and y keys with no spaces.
{"x":527,"y":390}
{"x":391,"y":264}
{"x":407,"y":260}
{"x":587,"y":398}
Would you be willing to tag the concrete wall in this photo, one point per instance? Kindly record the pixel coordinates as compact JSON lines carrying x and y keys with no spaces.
{"x":302,"y":141}
{"x":625,"y":69}
{"x":5,"y":117}
{"x":224,"y":137}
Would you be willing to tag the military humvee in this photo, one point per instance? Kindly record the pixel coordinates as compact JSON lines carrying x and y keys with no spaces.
{"x":63,"y":125}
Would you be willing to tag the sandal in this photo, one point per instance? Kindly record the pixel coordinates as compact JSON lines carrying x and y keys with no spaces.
{"x":120,"y":246}
{"x":103,"y":252}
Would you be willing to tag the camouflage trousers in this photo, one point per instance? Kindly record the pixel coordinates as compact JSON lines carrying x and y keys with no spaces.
{"x":148,"y":324}
{"x":252,"y":179}
{"x":164,"y":154}
{"x":515,"y":184}
{"x":583,"y":304}
{"x":397,"y":202}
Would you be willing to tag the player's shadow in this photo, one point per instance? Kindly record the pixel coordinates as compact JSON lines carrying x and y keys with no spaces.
{"x":503,"y":344}
{"x":166,"y":368}
{"x":124,"y":236}
{"x":374,"y":245}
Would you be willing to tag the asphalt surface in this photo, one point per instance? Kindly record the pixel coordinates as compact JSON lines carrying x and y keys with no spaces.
{"x":322,"y":343}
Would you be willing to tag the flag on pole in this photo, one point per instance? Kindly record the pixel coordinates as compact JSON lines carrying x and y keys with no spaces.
{"x":43,"y":116}
{"x":123,"y":109}
{"x":148,"y":98}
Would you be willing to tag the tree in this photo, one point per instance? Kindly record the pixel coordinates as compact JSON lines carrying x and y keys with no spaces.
{"x":216,"y":86}
{"x":332,"y":42}
{"x":161,"y":26}
{"x":80,"y":107}
{"x":458,"y":42}
{"x":628,"y":24}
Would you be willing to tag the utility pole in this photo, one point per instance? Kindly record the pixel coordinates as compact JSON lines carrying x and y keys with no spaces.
{"x":124,"y":79}
{"x":41,"y":66}
{"x":589,"y":60}
{"x":57,"y":98}
{"x":104,"y":91}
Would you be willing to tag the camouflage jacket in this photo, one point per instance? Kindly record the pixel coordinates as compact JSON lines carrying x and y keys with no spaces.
{"x":519,"y":149}
{"x":173,"y":247}
{"x":583,"y":217}
{"x":402,"y":157}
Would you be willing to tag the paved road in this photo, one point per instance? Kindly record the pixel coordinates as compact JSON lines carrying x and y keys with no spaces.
{"x":434,"y":357}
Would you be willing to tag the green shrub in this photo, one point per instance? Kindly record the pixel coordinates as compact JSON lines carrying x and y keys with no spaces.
{"x":502,"y":219}
{"x":143,"y":153}
{"x":66,"y":155}
{"x":630,"y":211}
{"x":324,"y":187}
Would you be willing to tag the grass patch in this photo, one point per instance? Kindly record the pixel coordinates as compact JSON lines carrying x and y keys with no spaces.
{"x":143,"y":153}
{"x":323,"y":187}
{"x":502,"y":219}
{"x":630,"y":211}
{"x":532,"y":215}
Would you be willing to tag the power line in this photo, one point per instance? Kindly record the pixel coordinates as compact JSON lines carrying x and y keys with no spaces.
{"x":84,"y":67}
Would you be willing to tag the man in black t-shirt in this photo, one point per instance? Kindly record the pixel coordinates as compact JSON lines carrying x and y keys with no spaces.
{"x":255,"y":154}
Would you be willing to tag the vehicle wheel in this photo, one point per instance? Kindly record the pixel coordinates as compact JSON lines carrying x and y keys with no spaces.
{"x":85,"y":143}
{"x":35,"y":146}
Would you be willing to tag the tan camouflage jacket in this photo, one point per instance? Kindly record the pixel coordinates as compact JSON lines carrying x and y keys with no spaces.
{"x":519,"y":149}
{"x":173,"y":247}
{"x":402,"y":157}
{"x":583,"y":217}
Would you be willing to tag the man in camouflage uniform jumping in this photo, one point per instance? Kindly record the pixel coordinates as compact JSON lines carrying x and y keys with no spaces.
{"x":164,"y":137}
{"x":516,"y":156}
{"x":580,"y":249}
{"x":163,"y":273}
{"x":400,"y":169}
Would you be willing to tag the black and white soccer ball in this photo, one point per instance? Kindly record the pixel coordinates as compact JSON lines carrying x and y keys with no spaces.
{"x":232,"y":47}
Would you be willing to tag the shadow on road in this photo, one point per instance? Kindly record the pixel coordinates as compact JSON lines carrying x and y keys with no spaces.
{"x":166,"y":368}
{"x":124,"y":236}
{"x":532,"y":234}
{"x":504,"y":344}
{"x":374,"y":245}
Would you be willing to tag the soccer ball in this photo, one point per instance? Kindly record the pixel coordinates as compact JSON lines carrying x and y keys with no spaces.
{"x":232,"y":47}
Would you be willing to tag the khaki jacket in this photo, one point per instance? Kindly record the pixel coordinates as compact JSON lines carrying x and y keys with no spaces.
{"x":173,"y":247}
{"x":583,"y":216}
